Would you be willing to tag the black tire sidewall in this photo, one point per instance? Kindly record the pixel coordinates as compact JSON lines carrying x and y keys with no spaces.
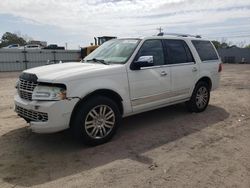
{"x":78,"y":122}
{"x":191,"y":104}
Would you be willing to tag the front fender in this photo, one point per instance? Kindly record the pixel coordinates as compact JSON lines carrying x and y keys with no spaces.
{"x":117,"y":83}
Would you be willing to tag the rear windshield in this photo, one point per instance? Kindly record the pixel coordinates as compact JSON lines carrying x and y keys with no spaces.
{"x":205,"y":50}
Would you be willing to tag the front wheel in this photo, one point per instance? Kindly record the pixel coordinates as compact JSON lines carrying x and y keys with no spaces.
{"x":96,"y":120}
{"x":200,"y":98}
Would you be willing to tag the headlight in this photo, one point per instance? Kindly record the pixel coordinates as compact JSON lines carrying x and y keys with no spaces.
{"x":48,"y":93}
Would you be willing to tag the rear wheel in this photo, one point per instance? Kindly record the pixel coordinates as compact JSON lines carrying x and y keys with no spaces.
{"x":200,"y":98}
{"x":96,"y":120}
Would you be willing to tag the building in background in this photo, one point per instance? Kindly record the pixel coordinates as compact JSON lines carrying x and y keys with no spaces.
{"x":234,"y":55}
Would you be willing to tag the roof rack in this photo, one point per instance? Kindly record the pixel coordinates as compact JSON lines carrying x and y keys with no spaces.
{"x":179,"y":35}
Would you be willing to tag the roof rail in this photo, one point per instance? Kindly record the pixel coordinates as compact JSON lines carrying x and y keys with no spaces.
{"x":179,"y":35}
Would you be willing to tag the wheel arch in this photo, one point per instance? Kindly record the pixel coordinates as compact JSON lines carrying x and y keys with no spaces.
{"x":207,"y":80}
{"x":103,"y":92}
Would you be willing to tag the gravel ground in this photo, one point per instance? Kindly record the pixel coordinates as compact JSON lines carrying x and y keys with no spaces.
{"x":168,"y":147}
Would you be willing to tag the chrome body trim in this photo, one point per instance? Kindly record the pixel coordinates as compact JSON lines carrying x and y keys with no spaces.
{"x":157,"y":97}
{"x":157,"y":107}
{"x":168,"y":65}
{"x":25,"y":89}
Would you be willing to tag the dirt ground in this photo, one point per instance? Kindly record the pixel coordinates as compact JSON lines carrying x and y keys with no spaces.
{"x":168,"y":147}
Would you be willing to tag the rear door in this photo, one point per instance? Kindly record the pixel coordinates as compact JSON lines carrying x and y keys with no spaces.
{"x":184,"y":70}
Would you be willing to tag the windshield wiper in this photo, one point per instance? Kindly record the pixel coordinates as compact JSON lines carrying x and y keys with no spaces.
{"x":98,"y":60}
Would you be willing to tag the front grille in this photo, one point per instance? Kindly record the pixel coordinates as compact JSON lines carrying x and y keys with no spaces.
{"x":31,"y":115}
{"x":26,"y":88}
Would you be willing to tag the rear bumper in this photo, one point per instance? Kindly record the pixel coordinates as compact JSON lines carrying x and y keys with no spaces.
{"x":59,"y":113}
{"x":215,"y":81}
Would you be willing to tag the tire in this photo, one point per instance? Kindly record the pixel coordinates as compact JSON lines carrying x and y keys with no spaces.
{"x":96,"y":120}
{"x":200,"y":98}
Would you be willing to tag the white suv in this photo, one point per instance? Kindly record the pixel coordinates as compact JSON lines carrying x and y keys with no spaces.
{"x":120,"y":78}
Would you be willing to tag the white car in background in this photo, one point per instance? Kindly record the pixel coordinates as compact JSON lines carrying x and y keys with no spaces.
{"x":31,"y":46}
{"x":12,"y":46}
{"x":122,"y":77}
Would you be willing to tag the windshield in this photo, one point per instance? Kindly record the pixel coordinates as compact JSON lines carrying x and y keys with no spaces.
{"x":114,"y":51}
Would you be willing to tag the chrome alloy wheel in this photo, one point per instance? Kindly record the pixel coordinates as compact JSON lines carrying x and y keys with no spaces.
{"x":100,"y":121}
{"x":201,"y":97}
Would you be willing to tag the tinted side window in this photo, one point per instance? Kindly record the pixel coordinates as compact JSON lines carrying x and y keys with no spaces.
{"x":178,"y":52}
{"x":205,"y":50}
{"x":152,"y":48}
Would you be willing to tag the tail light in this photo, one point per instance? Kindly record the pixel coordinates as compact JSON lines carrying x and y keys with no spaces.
{"x":220,"y":67}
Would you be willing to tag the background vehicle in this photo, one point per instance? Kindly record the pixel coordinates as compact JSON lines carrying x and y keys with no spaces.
{"x":98,"y":41}
{"x":54,"y":47}
{"x":12,"y":46}
{"x":31,"y":46}
{"x":120,"y":78}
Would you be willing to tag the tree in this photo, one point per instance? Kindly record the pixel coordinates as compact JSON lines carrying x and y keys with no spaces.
{"x":11,"y":38}
{"x":223,"y":43}
{"x":216,"y":44}
{"x":247,"y":46}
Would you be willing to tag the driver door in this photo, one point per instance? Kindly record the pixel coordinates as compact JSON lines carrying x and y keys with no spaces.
{"x":150,"y":86}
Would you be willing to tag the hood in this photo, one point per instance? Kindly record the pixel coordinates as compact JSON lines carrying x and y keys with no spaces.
{"x":68,"y":71}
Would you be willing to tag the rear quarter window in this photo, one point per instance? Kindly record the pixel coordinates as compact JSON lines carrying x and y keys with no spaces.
{"x":205,"y":50}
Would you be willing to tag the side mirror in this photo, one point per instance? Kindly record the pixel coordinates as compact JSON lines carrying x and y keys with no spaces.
{"x":143,"y":61}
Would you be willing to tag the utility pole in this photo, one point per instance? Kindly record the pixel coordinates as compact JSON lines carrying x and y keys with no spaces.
{"x":159,"y":29}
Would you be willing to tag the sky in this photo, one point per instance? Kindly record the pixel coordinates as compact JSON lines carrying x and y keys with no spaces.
{"x":76,"y":22}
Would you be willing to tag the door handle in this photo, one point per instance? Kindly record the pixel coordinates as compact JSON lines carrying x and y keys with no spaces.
{"x":194,"y":69}
{"x":163,"y":73}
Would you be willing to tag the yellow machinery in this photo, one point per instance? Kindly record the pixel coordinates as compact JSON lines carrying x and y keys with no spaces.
{"x":98,"y":41}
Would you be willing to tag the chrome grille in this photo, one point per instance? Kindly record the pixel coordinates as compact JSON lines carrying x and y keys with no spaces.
{"x":26,"y":88}
{"x":31,"y":115}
